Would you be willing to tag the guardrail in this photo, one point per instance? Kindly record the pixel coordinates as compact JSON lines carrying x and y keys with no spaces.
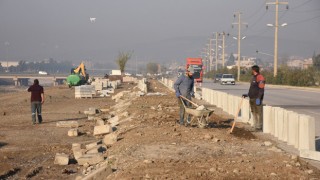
{"x":295,"y":129}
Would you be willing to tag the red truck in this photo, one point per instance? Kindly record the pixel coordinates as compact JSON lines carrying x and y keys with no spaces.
{"x":196,"y":63}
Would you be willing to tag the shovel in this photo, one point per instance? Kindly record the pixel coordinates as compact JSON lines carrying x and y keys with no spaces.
{"x":236,"y":115}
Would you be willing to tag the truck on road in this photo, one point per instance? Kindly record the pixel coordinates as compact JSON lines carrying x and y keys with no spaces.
{"x":196,"y":63}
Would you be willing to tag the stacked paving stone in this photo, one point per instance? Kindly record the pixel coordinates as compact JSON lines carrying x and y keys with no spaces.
{"x":84,"y":91}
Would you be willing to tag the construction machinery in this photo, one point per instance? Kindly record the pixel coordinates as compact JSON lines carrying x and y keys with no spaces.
{"x":78,"y":76}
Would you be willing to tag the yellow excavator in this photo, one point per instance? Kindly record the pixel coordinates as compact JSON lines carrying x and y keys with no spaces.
{"x":78,"y":76}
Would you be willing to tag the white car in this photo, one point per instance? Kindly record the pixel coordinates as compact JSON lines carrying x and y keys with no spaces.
{"x":43,"y":73}
{"x":227,"y":79}
{"x":127,"y":74}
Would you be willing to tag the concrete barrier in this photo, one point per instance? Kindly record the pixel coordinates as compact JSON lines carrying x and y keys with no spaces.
{"x":306,"y":132}
{"x":295,"y":129}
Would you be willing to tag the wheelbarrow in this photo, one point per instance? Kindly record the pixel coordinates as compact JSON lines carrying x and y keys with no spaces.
{"x":199,"y":116}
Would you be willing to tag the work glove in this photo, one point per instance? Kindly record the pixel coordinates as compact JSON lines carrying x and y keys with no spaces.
{"x":178,"y":94}
{"x":258,"y":102}
{"x":192,"y":94}
{"x":244,"y":95}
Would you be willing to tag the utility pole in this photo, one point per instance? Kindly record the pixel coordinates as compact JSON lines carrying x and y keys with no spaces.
{"x":276,"y":27}
{"x":239,"y":40}
{"x":216,"y":53}
{"x":210,"y":54}
{"x":7,"y":54}
{"x":223,"y":47}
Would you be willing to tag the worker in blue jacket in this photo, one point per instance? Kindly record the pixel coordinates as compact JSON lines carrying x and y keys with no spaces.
{"x":184,"y":87}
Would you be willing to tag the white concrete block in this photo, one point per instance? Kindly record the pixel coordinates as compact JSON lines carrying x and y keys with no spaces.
{"x":293,"y":129}
{"x":110,"y":139}
{"x":91,"y":159}
{"x":73,"y":132}
{"x":101,"y":130}
{"x":99,"y":122}
{"x":225,"y":102}
{"x":216,"y":98}
{"x":308,"y":154}
{"x":204,"y":94}
{"x":68,"y":124}
{"x":231,"y":104}
{"x":61,"y":159}
{"x":212,"y":97}
{"x":245,"y":111}
{"x":78,"y":152}
{"x":267,"y":122}
{"x":285,"y":125}
{"x":91,"y":145}
{"x":280,"y":119}
{"x":306,"y":132}
{"x":114,"y":121}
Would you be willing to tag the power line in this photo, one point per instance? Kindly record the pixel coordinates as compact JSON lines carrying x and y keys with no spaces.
{"x":308,"y":1}
{"x":257,"y":11}
{"x":306,"y":11}
{"x":305,"y":20}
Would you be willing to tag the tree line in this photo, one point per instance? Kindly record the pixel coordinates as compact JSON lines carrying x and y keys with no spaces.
{"x":286,"y":75}
{"x":51,"y":67}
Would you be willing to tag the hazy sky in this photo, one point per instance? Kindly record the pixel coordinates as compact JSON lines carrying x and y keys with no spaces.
{"x":158,"y":30}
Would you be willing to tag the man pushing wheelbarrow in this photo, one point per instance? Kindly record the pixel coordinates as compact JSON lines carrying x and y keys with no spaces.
{"x":184,"y":87}
{"x":184,"y":91}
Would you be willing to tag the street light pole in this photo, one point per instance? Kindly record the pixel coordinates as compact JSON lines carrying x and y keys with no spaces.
{"x":223,"y":49}
{"x":276,"y":25}
{"x":7,"y":54}
{"x":216,"y":53}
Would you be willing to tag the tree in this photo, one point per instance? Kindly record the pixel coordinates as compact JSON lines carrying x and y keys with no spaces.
{"x":316,"y":62}
{"x":152,"y":68}
{"x":231,"y":60}
{"x":122,"y":60}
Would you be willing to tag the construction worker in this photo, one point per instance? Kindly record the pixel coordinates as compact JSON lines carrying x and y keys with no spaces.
{"x":184,"y":87}
{"x":37,"y":99}
{"x":256,"y":93}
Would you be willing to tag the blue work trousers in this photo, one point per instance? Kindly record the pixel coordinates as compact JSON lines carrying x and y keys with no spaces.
{"x":36,"y":111}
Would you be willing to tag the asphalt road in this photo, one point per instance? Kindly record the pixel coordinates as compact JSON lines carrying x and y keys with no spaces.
{"x":297,"y":100}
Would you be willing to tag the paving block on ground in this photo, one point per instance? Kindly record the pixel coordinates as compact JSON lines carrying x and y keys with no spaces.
{"x":73,"y":132}
{"x":91,"y":118}
{"x":114,"y":121}
{"x":99,"y":122}
{"x":76,"y":145}
{"x":61,"y":159}
{"x":91,"y":145}
{"x":110,"y":139}
{"x":68,"y":124}
{"x":309,"y":154}
{"x":101,"y":173}
{"x":78,"y":152}
{"x":96,"y":149}
{"x":102,"y":130}
{"x":91,"y":159}
{"x":307,"y":132}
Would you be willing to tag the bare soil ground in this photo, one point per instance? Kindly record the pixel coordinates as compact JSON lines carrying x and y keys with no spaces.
{"x":151,"y":145}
